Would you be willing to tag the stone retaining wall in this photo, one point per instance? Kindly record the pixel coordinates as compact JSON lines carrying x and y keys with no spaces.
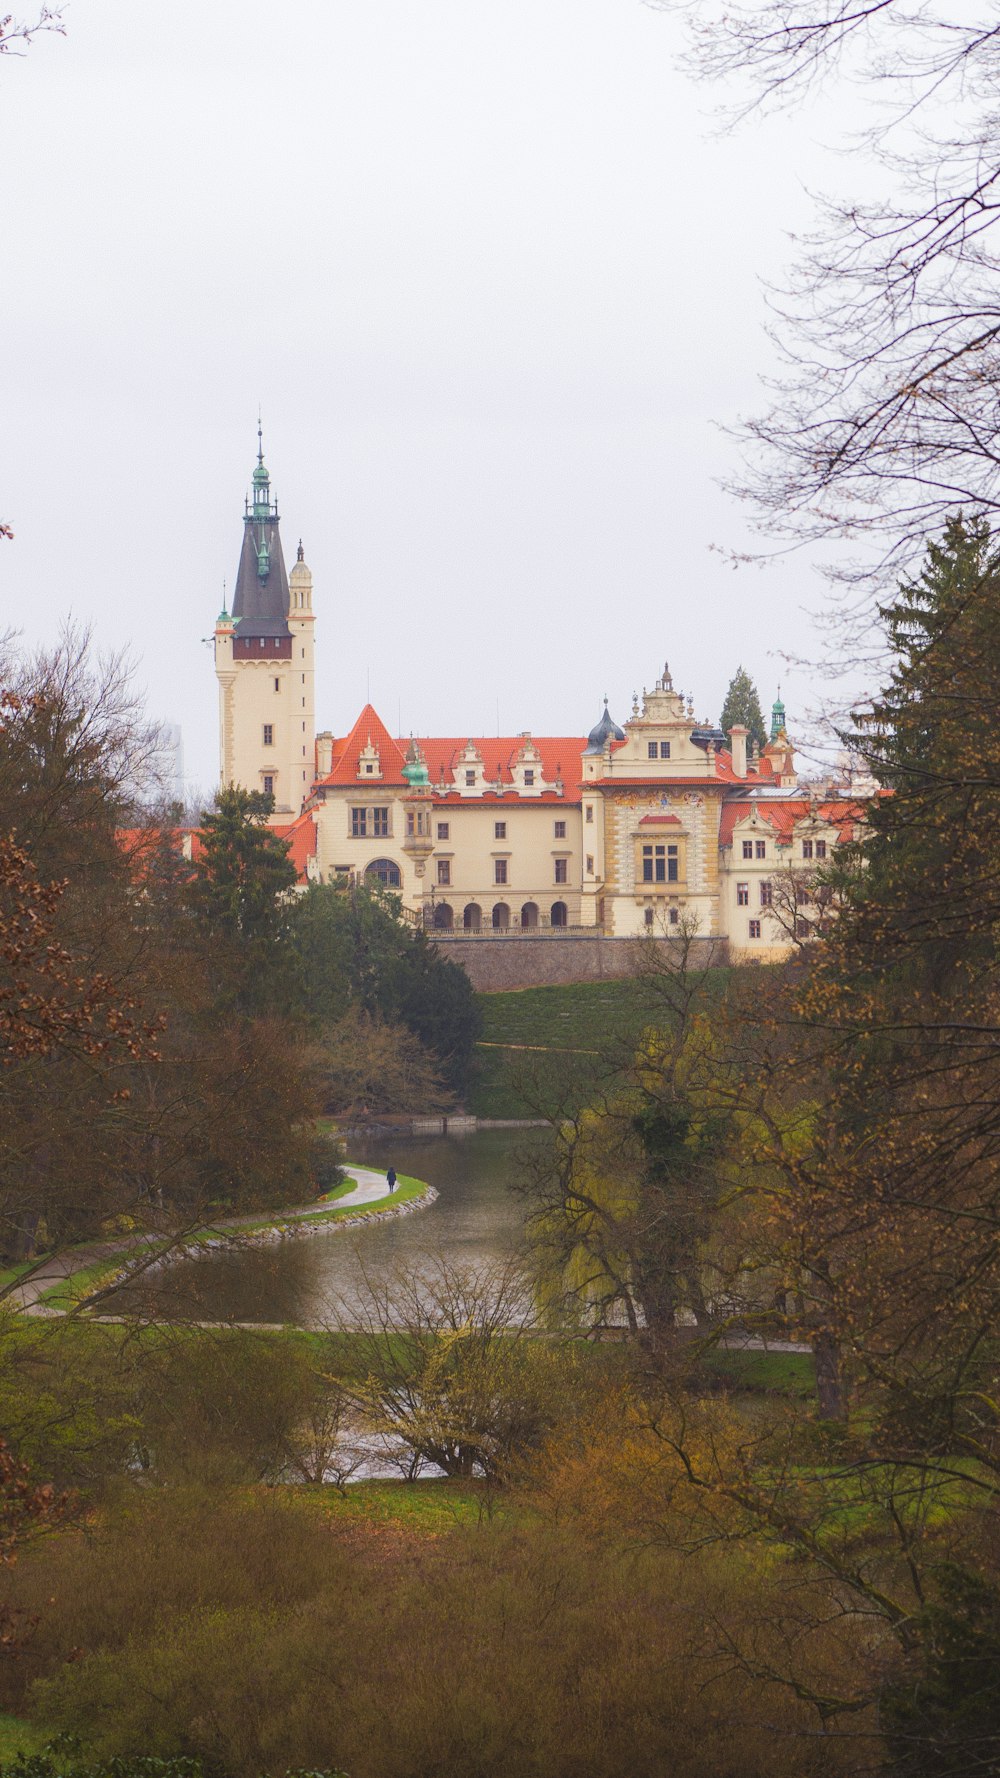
{"x":529,"y":960}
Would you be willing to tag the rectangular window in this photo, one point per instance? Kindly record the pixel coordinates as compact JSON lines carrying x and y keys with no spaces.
{"x":444,"y":832}
{"x":765,"y":895}
{"x":380,"y":823}
{"x":470,"y":780}
{"x":760,"y":849}
{"x":652,"y":749}
{"x":444,"y":872}
{"x":277,"y":685}
{"x":589,"y":816}
{"x":807,"y":848}
{"x":499,"y":870}
{"x":359,"y":823}
{"x":742,"y":895}
{"x":590,"y":864}
{"x":821,"y":848}
{"x":647,"y":915}
{"x":755,"y":929}
{"x":748,"y":848}
{"x":654,"y":864}
{"x":674,"y":916}
{"x":664,"y":749}
{"x":802,"y":928}
{"x":268,"y":734}
{"x":529,"y":776}
{"x":560,"y":830}
{"x":268,"y":784}
{"x":499,"y":830}
{"x":562,"y":870}
{"x":673,"y":864}
{"x":802,"y":898}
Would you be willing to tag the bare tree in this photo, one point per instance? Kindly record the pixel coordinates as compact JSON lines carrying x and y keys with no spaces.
{"x":15,"y":35}
{"x":442,"y":1369}
{"x":884,"y":418}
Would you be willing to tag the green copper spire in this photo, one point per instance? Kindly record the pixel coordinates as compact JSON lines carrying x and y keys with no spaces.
{"x":261,"y":480}
{"x":777,"y":717}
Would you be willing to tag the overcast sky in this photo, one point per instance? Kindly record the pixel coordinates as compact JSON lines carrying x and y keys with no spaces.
{"x":494,"y":284}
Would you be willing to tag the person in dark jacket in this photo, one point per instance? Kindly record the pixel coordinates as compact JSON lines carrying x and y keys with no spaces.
{"x":391,"y":1177}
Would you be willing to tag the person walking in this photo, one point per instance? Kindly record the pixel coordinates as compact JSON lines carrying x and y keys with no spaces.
{"x":391,"y":1177}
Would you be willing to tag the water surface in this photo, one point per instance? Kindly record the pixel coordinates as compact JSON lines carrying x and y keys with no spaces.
{"x":476,"y":1218}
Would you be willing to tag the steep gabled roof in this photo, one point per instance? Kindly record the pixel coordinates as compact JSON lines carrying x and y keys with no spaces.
{"x":369,"y":730}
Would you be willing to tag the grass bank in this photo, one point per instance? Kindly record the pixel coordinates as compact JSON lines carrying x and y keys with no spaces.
{"x":556,"y":1046}
{"x":334,"y":1207}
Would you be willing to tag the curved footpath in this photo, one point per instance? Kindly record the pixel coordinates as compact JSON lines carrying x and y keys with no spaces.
{"x":304,"y":1219}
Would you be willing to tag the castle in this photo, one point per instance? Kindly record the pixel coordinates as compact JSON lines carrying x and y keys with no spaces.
{"x":659,"y":826}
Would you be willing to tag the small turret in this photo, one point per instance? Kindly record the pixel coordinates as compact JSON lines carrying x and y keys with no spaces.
{"x":604,"y":730}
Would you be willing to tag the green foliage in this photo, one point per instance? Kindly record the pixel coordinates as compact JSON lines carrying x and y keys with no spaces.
{"x":928,"y":898}
{"x":66,"y":1757}
{"x":743,"y":705}
{"x":354,"y":952}
{"x":242,"y":888}
{"x":941,"y":1709}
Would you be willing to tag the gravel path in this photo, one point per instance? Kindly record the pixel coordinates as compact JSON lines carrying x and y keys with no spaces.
{"x":371,"y":1189}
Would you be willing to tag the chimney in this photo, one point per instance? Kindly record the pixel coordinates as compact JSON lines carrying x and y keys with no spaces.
{"x":324,"y":755}
{"x":738,"y":742}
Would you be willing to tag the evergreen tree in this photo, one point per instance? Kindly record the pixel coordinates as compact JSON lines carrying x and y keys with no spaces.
{"x":929,"y":892}
{"x":354,"y":952}
{"x":743,"y":705}
{"x":243,"y":871}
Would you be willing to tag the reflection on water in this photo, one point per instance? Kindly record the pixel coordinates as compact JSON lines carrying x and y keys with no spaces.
{"x":476,"y":1218}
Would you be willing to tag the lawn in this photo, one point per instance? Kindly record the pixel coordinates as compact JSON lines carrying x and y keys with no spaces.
{"x":556,"y":1047}
{"x":771,"y":1373}
{"x":17,"y":1736}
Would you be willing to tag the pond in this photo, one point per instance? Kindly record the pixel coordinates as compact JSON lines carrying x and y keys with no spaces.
{"x":476,"y":1218}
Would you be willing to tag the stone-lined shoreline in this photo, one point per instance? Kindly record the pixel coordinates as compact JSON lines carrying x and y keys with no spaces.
{"x":34,"y":1297}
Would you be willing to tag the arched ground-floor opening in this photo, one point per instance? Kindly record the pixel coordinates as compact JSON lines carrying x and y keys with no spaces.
{"x":472,"y":919}
{"x":529,"y":915}
{"x":559,"y":916}
{"x":501,"y":917}
{"x":385,"y":872}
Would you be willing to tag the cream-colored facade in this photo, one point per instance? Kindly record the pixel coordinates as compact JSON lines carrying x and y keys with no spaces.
{"x":664,"y":825}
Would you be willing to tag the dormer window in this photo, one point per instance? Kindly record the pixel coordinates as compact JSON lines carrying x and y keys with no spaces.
{"x":470,"y":779}
{"x":529,"y":776}
{"x":369,"y":763}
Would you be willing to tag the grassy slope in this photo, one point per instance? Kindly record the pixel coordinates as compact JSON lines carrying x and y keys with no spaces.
{"x":556,"y":1040}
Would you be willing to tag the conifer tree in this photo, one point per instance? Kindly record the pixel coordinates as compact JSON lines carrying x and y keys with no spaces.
{"x":743,"y":705}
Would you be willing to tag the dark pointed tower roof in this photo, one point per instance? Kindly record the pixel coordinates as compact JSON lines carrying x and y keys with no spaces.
{"x":607,"y":728}
{"x":260,"y":602}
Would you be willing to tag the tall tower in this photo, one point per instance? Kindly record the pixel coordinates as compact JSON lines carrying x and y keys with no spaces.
{"x":264,"y":662}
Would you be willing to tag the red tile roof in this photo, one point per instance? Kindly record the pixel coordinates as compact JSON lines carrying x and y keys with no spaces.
{"x":660,"y":821}
{"x":781,"y":817}
{"x":559,"y":757}
{"x":301,"y":837}
{"x":369,"y":729}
